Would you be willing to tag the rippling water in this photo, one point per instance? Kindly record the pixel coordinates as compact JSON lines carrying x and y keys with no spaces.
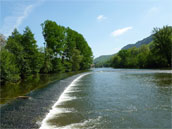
{"x":102,"y":98}
{"x":114,"y":98}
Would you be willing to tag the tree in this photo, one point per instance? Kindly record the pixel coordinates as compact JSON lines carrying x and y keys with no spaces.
{"x":116,"y":61}
{"x":65,"y":43}
{"x":70,"y":45}
{"x":85,"y":51}
{"x":47,"y":65}
{"x":54,"y":36}
{"x":142,"y":56}
{"x":33,"y":58}
{"x":8,"y":67}
{"x":28,"y":59}
{"x":14,"y":46}
{"x":65,"y":50}
{"x":123,"y":54}
{"x":163,"y":43}
{"x":2,"y":41}
{"x":76,"y":60}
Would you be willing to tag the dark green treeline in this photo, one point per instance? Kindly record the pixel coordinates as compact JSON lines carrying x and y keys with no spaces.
{"x":157,"y":54}
{"x":65,"y":50}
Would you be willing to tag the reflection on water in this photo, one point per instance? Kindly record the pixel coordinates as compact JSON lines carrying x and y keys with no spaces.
{"x":117,"y":98}
{"x":12,"y":90}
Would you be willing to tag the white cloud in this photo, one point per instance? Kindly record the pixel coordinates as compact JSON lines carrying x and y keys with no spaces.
{"x":101,"y":17}
{"x":20,"y":12}
{"x":15,"y":20}
{"x":120,"y":31}
{"x":20,"y":19}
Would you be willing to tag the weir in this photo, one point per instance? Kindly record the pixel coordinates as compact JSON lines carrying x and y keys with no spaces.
{"x":64,"y":97}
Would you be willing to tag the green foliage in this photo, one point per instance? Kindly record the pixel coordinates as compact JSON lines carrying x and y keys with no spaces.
{"x":33,"y":58}
{"x":2,"y":41}
{"x":76,"y":60}
{"x":144,"y":41}
{"x":163,"y":43}
{"x":157,"y":54}
{"x":142,"y":56}
{"x":66,"y":44}
{"x":28,"y":59}
{"x":8,"y":68}
{"x":14,"y":46}
{"x":47,"y":65}
{"x":85,"y":52}
{"x":103,"y":61}
{"x":116,"y":61}
{"x":57,"y":65}
{"x":54,"y":36}
{"x":65,"y":50}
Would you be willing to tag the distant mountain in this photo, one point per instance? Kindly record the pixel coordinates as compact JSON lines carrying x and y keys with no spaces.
{"x":102,"y":60}
{"x":139,"y":43}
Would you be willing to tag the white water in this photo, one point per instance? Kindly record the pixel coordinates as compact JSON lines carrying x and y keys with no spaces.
{"x":64,"y":97}
{"x":90,"y":122}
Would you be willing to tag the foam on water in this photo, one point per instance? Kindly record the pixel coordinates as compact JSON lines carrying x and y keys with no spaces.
{"x":87,"y":124}
{"x":64,"y":97}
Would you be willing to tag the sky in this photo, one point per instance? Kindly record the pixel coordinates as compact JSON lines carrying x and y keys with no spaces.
{"x":107,"y":25}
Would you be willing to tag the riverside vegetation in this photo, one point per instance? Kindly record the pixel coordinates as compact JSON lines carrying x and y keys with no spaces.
{"x":155,"y":54}
{"x":64,"y":50}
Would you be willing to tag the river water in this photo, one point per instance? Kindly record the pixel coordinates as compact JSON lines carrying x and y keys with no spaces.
{"x":103,"y":98}
{"x":114,"y":98}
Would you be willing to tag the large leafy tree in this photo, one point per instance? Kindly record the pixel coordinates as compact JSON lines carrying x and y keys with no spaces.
{"x":54,"y":36}
{"x":163,"y":43}
{"x":28,"y":59}
{"x":76,"y":42}
{"x":85,"y":50}
{"x":70,"y":46}
{"x":8,"y":68}
{"x":65,"y":43}
{"x":33,"y":58}
{"x":15,"y":47}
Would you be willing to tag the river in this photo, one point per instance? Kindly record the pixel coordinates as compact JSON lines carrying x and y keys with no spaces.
{"x":102,"y":98}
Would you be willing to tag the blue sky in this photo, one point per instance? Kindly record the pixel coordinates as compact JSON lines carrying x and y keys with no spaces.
{"x":107,"y":25}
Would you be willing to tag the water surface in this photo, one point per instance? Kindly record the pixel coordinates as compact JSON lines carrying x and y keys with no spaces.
{"x":115,"y":98}
{"x":28,"y":113}
{"x":102,"y":98}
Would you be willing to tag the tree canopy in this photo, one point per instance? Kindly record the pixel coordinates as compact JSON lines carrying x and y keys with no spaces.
{"x":65,"y":50}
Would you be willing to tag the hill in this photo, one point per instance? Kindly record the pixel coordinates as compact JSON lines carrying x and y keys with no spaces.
{"x":139,"y":43}
{"x":102,"y":61}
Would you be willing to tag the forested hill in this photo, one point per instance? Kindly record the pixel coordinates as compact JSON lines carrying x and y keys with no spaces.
{"x":102,"y":60}
{"x":139,"y":43}
{"x":151,"y":52}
